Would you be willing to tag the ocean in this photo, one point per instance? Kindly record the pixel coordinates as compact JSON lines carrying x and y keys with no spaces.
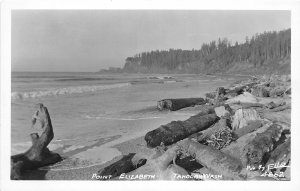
{"x":90,"y":112}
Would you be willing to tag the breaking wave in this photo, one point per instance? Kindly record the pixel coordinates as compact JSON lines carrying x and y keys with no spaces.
{"x":65,"y":91}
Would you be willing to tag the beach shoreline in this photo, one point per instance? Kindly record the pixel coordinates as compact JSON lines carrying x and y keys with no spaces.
{"x":116,"y":147}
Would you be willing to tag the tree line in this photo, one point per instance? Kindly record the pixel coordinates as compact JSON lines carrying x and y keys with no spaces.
{"x":256,"y":50}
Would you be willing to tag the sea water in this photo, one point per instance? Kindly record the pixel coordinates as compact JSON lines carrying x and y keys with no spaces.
{"x":92,"y":110}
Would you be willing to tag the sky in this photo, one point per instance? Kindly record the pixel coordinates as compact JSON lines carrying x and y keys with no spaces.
{"x":90,"y":40}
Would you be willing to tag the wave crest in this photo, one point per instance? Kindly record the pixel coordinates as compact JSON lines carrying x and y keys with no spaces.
{"x":65,"y":91}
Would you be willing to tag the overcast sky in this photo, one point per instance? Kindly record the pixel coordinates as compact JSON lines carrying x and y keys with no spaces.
{"x":89,"y":40}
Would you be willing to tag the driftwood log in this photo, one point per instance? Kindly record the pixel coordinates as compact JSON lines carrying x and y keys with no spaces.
{"x":176,"y":104}
{"x":240,"y":89}
{"x":162,"y":166}
{"x":252,"y":126}
{"x":281,"y":156}
{"x":178,"y":130}
{"x":236,"y":148}
{"x":253,"y":147}
{"x":165,"y":167}
{"x":281,"y":153}
{"x":38,"y":155}
{"x":261,"y":145}
{"x":281,"y":108}
{"x":213,"y":159}
{"x":127,"y":164}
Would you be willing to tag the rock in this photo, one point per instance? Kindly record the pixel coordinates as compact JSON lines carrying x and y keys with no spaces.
{"x":242,"y":117}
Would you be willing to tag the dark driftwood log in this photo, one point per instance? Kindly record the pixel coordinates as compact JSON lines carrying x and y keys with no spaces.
{"x":213,"y":159}
{"x":176,"y":104}
{"x":178,"y":130}
{"x":127,"y":164}
{"x":38,"y":155}
{"x":261,"y":145}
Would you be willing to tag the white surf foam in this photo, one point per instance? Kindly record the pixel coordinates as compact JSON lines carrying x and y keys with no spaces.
{"x":65,"y":91}
{"x":121,"y":119}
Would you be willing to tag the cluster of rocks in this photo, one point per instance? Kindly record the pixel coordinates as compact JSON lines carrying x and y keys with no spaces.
{"x":237,"y":131}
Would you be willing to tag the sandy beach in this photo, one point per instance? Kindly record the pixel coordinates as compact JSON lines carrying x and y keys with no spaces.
{"x":84,"y":160}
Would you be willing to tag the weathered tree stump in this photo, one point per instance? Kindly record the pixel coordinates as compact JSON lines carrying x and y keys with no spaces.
{"x":38,"y":155}
{"x":176,"y":104}
{"x":243,"y":116}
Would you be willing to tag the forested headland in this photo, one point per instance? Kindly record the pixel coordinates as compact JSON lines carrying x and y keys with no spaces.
{"x":267,"y":52}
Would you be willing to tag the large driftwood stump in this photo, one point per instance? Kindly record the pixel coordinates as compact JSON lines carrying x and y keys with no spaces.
{"x":38,"y":155}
